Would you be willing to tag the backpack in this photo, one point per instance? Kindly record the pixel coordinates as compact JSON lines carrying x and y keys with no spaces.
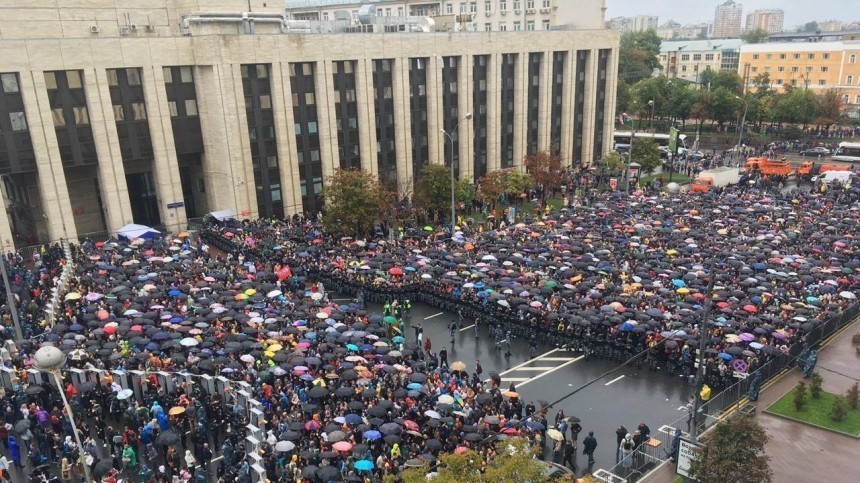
{"x":627,"y":445}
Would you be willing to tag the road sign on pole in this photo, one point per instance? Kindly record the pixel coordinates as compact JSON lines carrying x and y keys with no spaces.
{"x":686,"y":457}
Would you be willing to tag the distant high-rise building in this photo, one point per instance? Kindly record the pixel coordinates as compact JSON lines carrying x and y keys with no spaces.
{"x":727,"y":20}
{"x":770,"y":20}
{"x":830,"y":26}
{"x":639,"y":23}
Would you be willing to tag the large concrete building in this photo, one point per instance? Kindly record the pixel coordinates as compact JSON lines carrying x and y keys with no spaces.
{"x":154,"y":112}
{"x":727,"y":20}
{"x":770,"y":20}
{"x":485,"y":15}
{"x":639,"y":23}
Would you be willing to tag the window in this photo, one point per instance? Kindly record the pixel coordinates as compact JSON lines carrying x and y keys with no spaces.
{"x":133,"y":76}
{"x":262,"y":71}
{"x":168,"y":75}
{"x":186,"y":76}
{"x":503,"y":6}
{"x":449,"y":8}
{"x":517,"y":5}
{"x":709,"y":56}
{"x":9,"y":82}
{"x":685,"y":57}
{"x":272,"y":161}
{"x":824,"y":68}
{"x":201,"y":185}
{"x":488,"y":27}
{"x":857,"y":99}
{"x":546,"y":3}
{"x":312,"y":127}
{"x":59,"y":118}
{"x":825,"y":55}
{"x":462,"y":7}
{"x":118,"y":113}
{"x":780,"y":69}
{"x":546,"y":24}
{"x":74,"y":79}
{"x":767,"y":69}
{"x":796,"y":56}
{"x":697,"y":57}
{"x":530,"y":25}
{"x":782,"y":56}
{"x":530,"y":4}
{"x":310,"y":99}
{"x":190,"y":107}
{"x":517,"y":26}
{"x":50,"y":80}
{"x":754,"y":69}
{"x":810,"y":56}
{"x":794,"y":69}
{"x":18,"y":120}
{"x":755,"y":56}
{"x":809,"y":69}
{"x":779,"y":82}
{"x":852,"y":58}
{"x":325,"y":17}
{"x":822,"y":82}
{"x":138,"y":110}
{"x":113,"y":79}
{"x":503,"y":27}
{"x":172,"y":106}
{"x":768,"y":56}
{"x":849,"y":80}
{"x":845,"y":98}
{"x":265,"y":101}
{"x":794,"y":82}
{"x":297,"y":127}
{"x":488,"y":6}
{"x":82,"y":116}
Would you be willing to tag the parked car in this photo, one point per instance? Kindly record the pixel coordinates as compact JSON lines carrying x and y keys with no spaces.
{"x":816,"y":151}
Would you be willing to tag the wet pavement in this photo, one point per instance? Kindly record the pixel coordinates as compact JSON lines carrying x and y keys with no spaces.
{"x":628,"y":396}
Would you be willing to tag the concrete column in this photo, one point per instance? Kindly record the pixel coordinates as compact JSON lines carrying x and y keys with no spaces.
{"x":225,"y":139}
{"x":7,"y":243}
{"x":611,"y":88}
{"x":545,"y":102}
{"x":402,"y":122}
{"x":327,"y":118}
{"x":494,"y":106}
{"x":435,"y":117}
{"x":56,"y":205}
{"x":366,"y":115}
{"x":165,"y":166}
{"x":521,"y":104}
{"x":111,"y":169}
{"x":464,"y":106}
{"x":285,"y":135}
{"x":567,"y":98}
{"x":590,"y":102}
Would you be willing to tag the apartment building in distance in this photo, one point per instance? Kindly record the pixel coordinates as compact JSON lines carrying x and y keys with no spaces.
{"x":770,"y":20}
{"x":154,"y":112}
{"x":687,"y":59}
{"x":727,"y":20}
{"x":811,"y":65}
{"x":639,"y":23}
{"x":467,"y":15}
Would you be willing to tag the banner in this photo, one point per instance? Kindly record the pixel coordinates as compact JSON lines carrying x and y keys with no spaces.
{"x":673,"y":140}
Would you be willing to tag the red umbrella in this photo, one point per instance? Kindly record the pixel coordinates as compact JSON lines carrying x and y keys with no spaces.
{"x":109,"y":329}
{"x":102,"y":314}
{"x":342,"y":446}
{"x":313,"y":425}
{"x":410,"y":425}
{"x":750,"y":308}
{"x":397,"y":271}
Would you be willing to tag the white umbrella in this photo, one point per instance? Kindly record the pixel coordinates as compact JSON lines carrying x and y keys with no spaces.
{"x":446,"y":399}
{"x":316,"y":296}
{"x":274,"y":293}
{"x":284,"y":446}
{"x":188,"y":342}
{"x":247,"y":358}
{"x":124,"y":394}
{"x":848,"y":295}
{"x":432,"y":414}
{"x":554,"y":434}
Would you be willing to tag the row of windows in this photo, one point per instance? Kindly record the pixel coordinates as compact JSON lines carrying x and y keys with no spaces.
{"x":796,"y":55}
{"x":517,"y":26}
{"x":697,"y":57}
{"x":781,"y":68}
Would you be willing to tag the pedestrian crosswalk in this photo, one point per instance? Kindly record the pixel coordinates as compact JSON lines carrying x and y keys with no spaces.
{"x":537,"y":368}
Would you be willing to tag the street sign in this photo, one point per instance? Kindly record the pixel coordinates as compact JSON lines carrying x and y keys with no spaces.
{"x":686,"y":456}
{"x":613,"y":183}
{"x":175,"y":204}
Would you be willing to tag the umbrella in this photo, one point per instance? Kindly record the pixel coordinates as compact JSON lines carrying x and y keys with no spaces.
{"x":124,"y":394}
{"x":167,"y":438}
{"x":342,"y":446}
{"x":372,"y":435}
{"x":102,"y":468}
{"x":367,"y":465}
{"x":176,"y":411}
{"x":458,"y":365}
{"x":284,"y":446}
{"x":554,"y":434}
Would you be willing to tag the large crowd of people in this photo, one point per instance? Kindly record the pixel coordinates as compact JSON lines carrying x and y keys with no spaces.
{"x":343,"y":393}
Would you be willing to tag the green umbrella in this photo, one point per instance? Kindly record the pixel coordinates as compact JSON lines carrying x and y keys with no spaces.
{"x":389,"y":320}
{"x":428,"y":228}
{"x":551,"y":283}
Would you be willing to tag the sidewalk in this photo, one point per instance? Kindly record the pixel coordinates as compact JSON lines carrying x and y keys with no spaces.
{"x":798,"y":451}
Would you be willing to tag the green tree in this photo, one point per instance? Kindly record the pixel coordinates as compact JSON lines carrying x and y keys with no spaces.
{"x":839,"y":409}
{"x":761,"y":85}
{"x":815,"y":385}
{"x":829,"y":107}
{"x":613,"y":163}
{"x":646,"y":152}
{"x":433,"y":190}
{"x":491,"y":187}
{"x":466,"y":191}
{"x":545,"y":169}
{"x":726,"y":106}
{"x":733,"y":451}
{"x":810,"y":27}
{"x":796,"y":106}
{"x":729,"y":80}
{"x":703,"y":109}
{"x":799,"y":396}
{"x":682,"y":98}
{"x":755,"y":36}
{"x":638,"y":55}
{"x":517,"y":182}
{"x":354,"y":200}
{"x":852,"y":396}
{"x":623,"y":97}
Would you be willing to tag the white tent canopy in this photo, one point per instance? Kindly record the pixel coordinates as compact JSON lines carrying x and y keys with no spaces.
{"x":223,"y":215}
{"x":132,"y":231}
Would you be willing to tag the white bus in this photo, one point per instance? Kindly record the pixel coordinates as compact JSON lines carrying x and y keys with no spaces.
{"x":623,"y":140}
{"x":849,"y":152}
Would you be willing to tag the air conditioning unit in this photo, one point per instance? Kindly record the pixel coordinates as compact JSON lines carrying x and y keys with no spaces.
{"x":545,"y":10}
{"x":503,"y":12}
{"x":150,"y":28}
{"x":518,"y":12}
{"x":488,"y":13}
{"x":133,"y":27}
{"x":124,"y":30}
{"x":94,"y":29}
{"x":530,"y":11}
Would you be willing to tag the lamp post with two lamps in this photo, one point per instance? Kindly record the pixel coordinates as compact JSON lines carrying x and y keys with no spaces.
{"x":450,"y":137}
{"x":51,"y":360}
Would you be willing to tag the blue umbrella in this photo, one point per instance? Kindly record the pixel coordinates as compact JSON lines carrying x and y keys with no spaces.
{"x":353,"y":419}
{"x":352,"y":347}
{"x":372,"y":435}
{"x":363,"y":465}
{"x":152,"y":347}
{"x":725,"y":356}
{"x":174,"y":293}
{"x":76,"y":327}
{"x":534,"y":425}
{"x":626,"y":327}
{"x":679,"y":283}
{"x":760,"y":266}
{"x":414,"y":386}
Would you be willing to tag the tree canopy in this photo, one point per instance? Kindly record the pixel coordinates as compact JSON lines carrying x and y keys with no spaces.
{"x":733,"y":451}
{"x":638,"y":55}
{"x":545,"y":169}
{"x":646,"y":152}
{"x":433,"y":189}
{"x":354,"y":201}
{"x":755,"y":36}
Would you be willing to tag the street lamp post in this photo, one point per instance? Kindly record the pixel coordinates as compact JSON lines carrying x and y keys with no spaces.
{"x":453,"y":192}
{"x":703,"y":338}
{"x":51,"y":360}
{"x":651,"y":121}
{"x":743,"y":123}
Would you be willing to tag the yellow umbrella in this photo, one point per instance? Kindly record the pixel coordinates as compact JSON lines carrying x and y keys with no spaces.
{"x":458,"y":366}
{"x":73,"y":296}
{"x":269,"y":354}
{"x":176,"y":411}
{"x":683,"y":291}
{"x":671,"y":252}
{"x":250,"y":292}
{"x":274,"y":347}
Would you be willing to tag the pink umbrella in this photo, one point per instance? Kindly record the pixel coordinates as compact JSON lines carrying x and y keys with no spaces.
{"x":304,"y":345}
{"x":342,"y":446}
{"x":746,"y":336}
{"x":102,"y":314}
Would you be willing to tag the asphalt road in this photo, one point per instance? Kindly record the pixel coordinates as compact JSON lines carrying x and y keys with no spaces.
{"x":628,"y":396}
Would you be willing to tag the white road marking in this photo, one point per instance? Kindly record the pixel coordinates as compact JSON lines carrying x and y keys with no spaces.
{"x":467,"y":328}
{"x":622,"y":376}
{"x":514,"y":379}
{"x":434,"y":315}
{"x":556,"y":359}
{"x":528,"y":361}
{"x":340,"y":300}
{"x":550,"y":371}
{"x":539,"y":368}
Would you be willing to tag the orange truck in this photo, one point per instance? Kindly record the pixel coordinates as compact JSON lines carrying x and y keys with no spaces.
{"x":768,"y":167}
{"x":715,"y":178}
{"x":809,"y":169}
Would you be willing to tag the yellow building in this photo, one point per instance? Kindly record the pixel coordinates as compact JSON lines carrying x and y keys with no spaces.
{"x":814,"y":65}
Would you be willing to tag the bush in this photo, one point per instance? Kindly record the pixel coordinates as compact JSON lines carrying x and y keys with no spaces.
{"x":800,"y":396}
{"x":852,"y":396}
{"x":815,"y":385}
{"x":839,"y":409}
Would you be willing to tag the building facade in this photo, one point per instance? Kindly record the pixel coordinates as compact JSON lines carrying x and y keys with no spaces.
{"x":639,"y":23}
{"x":817,"y":66}
{"x":727,"y":20}
{"x":481,"y":15}
{"x":771,"y":20}
{"x":154,"y":115}
{"x":687,"y":59}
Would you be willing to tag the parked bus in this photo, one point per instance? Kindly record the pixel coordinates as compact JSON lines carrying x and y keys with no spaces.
{"x":623,"y":140}
{"x":849,"y":152}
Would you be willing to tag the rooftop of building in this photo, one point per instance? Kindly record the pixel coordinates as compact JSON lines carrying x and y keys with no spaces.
{"x":802,"y":46}
{"x":700,"y":45}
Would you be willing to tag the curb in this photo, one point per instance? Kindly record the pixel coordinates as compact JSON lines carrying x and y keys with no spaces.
{"x":807,"y":423}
